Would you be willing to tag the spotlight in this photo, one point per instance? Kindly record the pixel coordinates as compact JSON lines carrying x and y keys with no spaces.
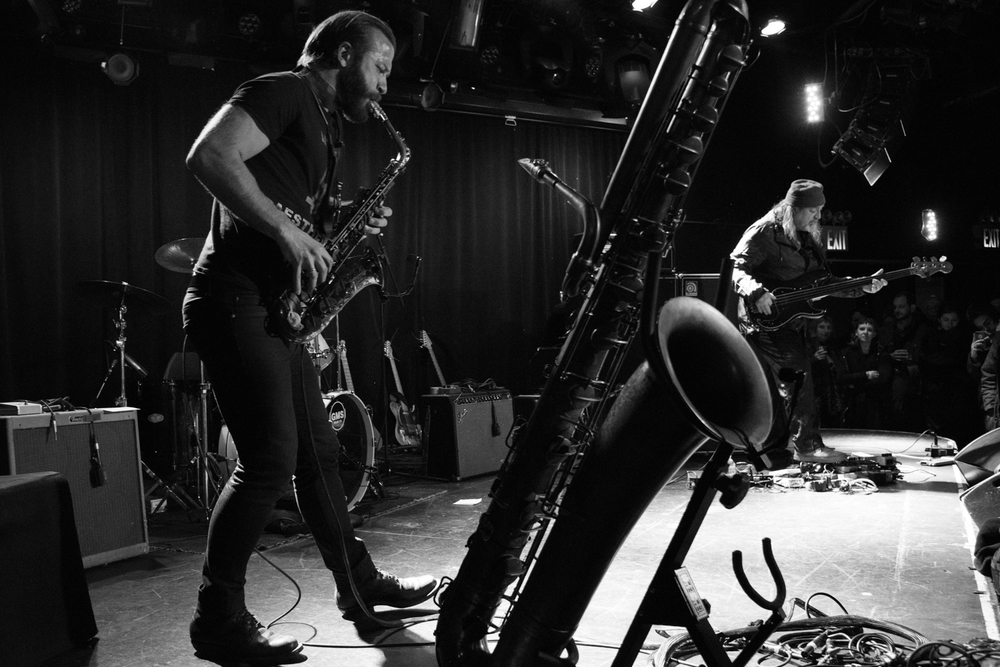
{"x":814,"y":103}
{"x":431,"y":97}
{"x":633,"y":77}
{"x":489,"y":56}
{"x":929,"y":225}
{"x":121,"y":68}
{"x":775,"y":26}
{"x":249,"y":25}
{"x":593,"y":65}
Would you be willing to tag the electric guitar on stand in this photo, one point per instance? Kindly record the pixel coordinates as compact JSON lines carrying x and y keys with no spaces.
{"x":444,"y":387}
{"x":407,"y":431}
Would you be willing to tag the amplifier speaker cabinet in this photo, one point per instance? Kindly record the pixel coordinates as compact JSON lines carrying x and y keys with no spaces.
{"x":467,"y":433}
{"x":111,"y":518}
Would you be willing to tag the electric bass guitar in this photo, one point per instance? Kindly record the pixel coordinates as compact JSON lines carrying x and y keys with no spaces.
{"x":796,"y":299}
{"x":407,"y":431}
{"x":444,"y":387}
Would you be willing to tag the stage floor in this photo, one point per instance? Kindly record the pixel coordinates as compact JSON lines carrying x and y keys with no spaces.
{"x":902,"y":554}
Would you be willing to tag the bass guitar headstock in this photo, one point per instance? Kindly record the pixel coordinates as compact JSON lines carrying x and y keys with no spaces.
{"x":925,"y":268}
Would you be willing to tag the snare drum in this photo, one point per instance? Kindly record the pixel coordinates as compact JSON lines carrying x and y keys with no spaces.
{"x":349,"y":418}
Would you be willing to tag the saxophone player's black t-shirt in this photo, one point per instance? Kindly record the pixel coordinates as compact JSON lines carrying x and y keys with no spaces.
{"x":292,"y":171}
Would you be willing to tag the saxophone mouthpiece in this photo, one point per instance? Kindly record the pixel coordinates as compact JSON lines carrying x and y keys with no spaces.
{"x":538,"y":169}
{"x":376,"y":111}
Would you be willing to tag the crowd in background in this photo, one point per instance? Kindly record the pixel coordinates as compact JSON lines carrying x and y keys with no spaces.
{"x":909,"y":370}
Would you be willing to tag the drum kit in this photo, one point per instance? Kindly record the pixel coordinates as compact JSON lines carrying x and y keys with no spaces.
{"x":198,"y":467}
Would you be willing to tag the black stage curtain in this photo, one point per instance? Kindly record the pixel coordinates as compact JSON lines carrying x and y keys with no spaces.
{"x":93,"y":183}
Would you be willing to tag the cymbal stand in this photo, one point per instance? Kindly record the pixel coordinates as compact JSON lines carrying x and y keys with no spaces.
{"x":122,"y":400}
{"x":208,"y":486}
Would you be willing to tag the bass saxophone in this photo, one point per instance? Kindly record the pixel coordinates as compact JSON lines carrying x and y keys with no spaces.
{"x":297,"y":319}
{"x":583,"y":434}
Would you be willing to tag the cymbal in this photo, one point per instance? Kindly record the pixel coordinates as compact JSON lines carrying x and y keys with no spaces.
{"x":112,"y":294}
{"x":179,"y":255}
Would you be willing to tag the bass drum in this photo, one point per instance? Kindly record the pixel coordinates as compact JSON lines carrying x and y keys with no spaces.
{"x":349,"y":418}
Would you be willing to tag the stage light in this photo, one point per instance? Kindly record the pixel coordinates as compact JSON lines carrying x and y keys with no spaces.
{"x":814,"y":103}
{"x":633,"y":77}
{"x":489,"y":56}
{"x":121,"y":69}
{"x":431,"y":97}
{"x":639,"y":5}
{"x":249,"y":25}
{"x":775,"y":26}
{"x":929,"y":225}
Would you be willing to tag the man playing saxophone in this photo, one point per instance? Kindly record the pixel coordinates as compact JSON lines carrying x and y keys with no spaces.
{"x":268,"y":157}
{"x":783,"y":247}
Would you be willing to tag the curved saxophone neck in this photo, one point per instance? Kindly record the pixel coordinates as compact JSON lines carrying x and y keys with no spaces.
{"x":591,"y":240}
{"x":404,"y":151}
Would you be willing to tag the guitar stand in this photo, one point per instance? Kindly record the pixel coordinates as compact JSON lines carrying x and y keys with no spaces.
{"x":672,"y":599}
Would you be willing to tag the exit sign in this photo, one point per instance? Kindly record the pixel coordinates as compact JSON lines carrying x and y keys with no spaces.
{"x":835,"y":238}
{"x":991,"y":237}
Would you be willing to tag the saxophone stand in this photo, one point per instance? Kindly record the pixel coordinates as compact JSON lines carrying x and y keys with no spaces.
{"x":671,"y":598}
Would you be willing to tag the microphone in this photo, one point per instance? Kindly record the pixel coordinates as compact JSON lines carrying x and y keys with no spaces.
{"x":97,"y":474}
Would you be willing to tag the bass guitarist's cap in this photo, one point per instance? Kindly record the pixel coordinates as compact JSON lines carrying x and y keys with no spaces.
{"x":804,"y":193}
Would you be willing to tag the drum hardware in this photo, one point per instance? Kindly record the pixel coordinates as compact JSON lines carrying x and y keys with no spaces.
{"x":119,"y":296}
{"x":196,"y":465}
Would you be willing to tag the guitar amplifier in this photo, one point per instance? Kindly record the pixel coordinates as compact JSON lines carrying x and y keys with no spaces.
{"x":110,"y":518}
{"x":467,"y":433}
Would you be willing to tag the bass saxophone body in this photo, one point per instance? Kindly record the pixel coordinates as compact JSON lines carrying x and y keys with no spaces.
{"x":591,"y":457}
{"x":297,"y":318}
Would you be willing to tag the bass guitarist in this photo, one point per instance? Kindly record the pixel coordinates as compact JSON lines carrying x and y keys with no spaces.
{"x":779,"y":248}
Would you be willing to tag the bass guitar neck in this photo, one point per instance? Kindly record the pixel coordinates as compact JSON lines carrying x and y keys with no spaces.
{"x":443,"y":387}
{"x":797,"y":299}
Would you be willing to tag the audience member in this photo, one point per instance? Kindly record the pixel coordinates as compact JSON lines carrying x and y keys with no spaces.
{"x":948,"y":392}
{"x":984,"y":318}
{"x":823,"y":349}
{"x":989,"y":399}
{"x":864,"y":373}
{"x":903,"y":338}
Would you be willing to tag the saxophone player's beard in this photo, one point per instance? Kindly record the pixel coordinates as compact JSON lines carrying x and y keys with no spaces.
{"x":354,"y":94}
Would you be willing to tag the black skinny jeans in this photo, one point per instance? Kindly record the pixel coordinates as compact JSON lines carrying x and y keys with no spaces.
{"x":784,"y":349}
{"x":269,"y":394}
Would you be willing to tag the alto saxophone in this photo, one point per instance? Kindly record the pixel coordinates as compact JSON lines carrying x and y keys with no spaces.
{"x":585,"y":432}
{"x":298,"y":318}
